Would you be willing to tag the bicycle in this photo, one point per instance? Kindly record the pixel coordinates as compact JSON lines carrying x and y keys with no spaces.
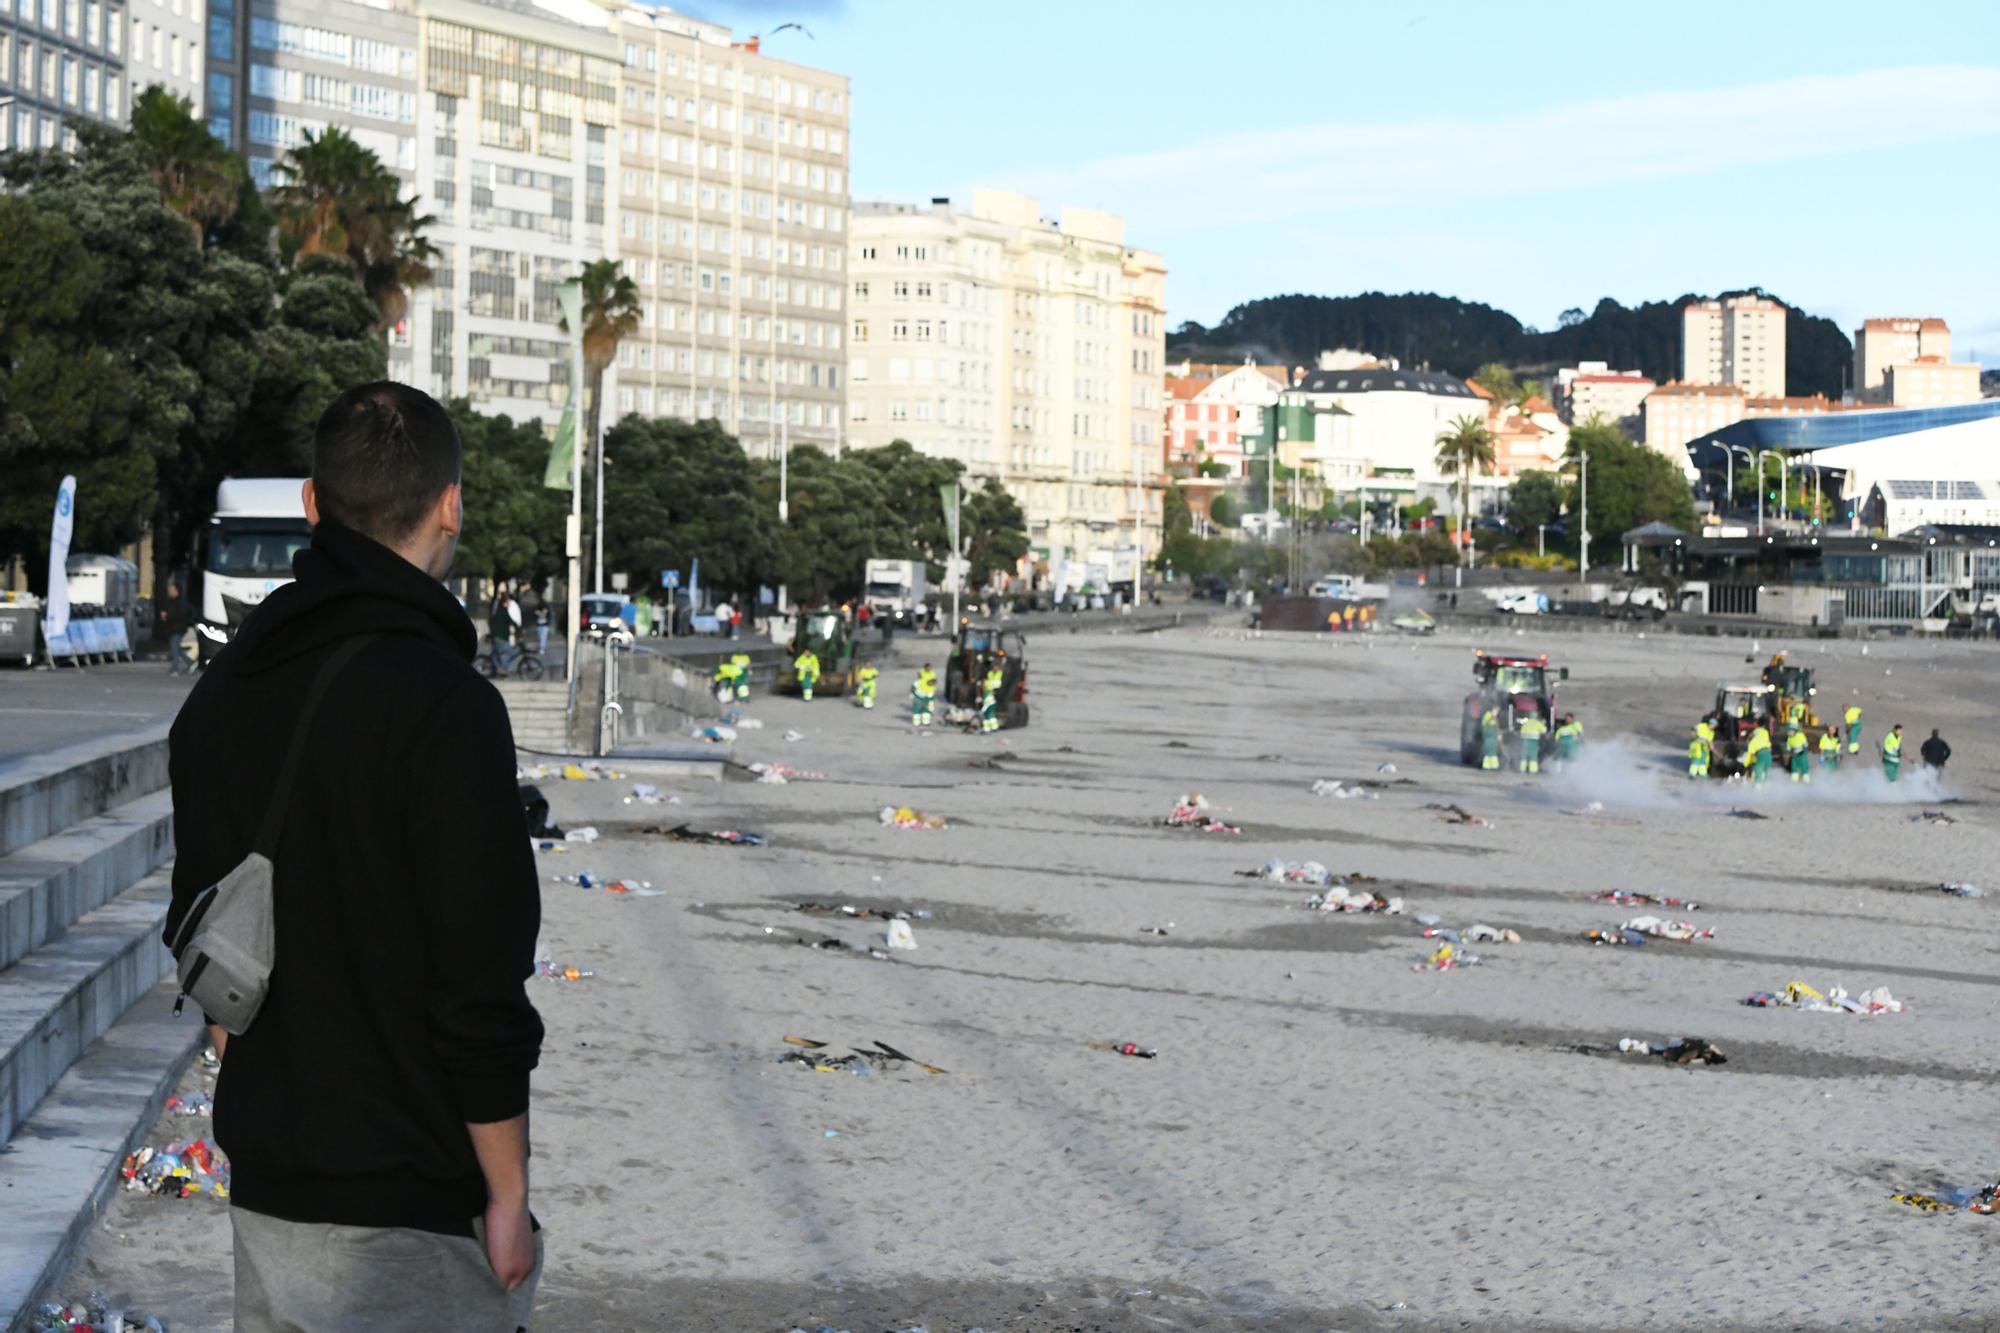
{"x":525,"y":665}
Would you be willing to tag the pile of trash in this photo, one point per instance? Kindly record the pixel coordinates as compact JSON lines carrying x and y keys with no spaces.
{"x":1626,"y":898}
{"x":1299,"y":872}
{"x":1191,"y":811}
{"x":195,"y":1103}
{"x":778,"y":774}
{"x":93,"y":1314}
{"x":879,"y":1058}
{"x":1477,"y":933}
{"x":1984,"y":1199}
{"x":645,"y":793}
{"x":1446,"y":957}
{"x":903,"y":816}
{"x":1680,"y":1051}
{"x":715,"y":733}
{"x":1130,"y":1048}
{"x":570,"y":770}
{"x":1959,"y":889}
{"x":553,"y":971}
{"x":726,"y":837}
{"x":1932,"y":817}
{"x":1639,"y":928}
{"x":1339,"y":899}
{"x":584,"y":879}
{"x":834,"y":944}
{"x":1833,"y":1000}
{"x":1342,"y":791}
{"x":1458,"y":814}
{"x":178,"y":1170}
{"x":863,"y":913}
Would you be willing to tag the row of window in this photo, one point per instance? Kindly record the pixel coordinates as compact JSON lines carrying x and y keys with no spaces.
{"x":78,"y":20}
{"x":336,"y":48}
{"x":715,"y":404}
{"x":723,"y":119}
{"x":334,"y":93}
{"x":971,"y":375}
{"x":673,"y":318}
{"x":784,"y":91}
{"x":640,"y":185}
{"x":673,"y":148}
{"x":285,"y":132}
{"x":56,"y":77}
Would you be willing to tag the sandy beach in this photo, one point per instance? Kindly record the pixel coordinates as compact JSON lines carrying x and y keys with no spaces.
{"x":1328,"y":1138}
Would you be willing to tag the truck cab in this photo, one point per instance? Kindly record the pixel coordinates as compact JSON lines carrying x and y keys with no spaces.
{"x":246,"y":554}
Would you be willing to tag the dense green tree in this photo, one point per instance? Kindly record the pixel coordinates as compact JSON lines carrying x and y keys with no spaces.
{"x":198,"y":177}
{"x":996,"y":533}
{"x":838,"y":520}
{"x":1533,"y":501}
{"x":1225,"y":511}
{"x":1630,"y":484}
{"x":1497,"y":380}
{"x":908,"y":483}
{"x":513,"y":523}
{"x":678,"y":491}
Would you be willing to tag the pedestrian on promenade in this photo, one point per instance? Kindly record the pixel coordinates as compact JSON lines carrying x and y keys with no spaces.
{"x":1934,"y":752}
{"x":500,"y":623}
{"x":176,"y":618}
{"x":375,"y":1109}
{"x":542,"y":628}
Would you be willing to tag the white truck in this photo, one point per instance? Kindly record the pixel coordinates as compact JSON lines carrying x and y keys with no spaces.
{"x":1349,"y":588}
{"x":895,"y":590}
{"x":259,"y":524}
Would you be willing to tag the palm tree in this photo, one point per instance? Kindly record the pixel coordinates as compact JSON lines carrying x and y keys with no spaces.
{"x":1467,"y":445}
{"x":335,"y":197}
{"x":610,"y":316}
{"x":198,"y":178}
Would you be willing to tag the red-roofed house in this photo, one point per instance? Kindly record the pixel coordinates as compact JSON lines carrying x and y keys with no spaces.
{"x":1209,"y":411}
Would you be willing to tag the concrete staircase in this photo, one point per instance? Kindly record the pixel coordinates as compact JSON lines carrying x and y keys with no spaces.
{"x":540,"y":713}
{"x":88,"y":1051}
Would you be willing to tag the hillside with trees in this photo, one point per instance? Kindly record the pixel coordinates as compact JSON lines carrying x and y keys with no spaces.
{"x":1422,"y":328}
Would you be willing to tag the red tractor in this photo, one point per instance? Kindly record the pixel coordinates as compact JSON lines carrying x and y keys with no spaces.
{"x":1514,"y":687}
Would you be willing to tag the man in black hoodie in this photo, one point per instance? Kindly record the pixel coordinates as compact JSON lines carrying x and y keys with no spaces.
{"x":375,"y":1113}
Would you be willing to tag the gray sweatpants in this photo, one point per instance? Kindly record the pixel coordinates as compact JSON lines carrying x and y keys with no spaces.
{"x":305,"y":1277}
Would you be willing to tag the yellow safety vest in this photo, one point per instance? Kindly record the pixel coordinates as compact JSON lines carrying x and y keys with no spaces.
{"x":1853,"y":714}
{"x":1760,"y":741}
{"x":1892,"y":746}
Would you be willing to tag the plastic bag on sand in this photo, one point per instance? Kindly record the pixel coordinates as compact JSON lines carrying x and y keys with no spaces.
{"x":1960,"y":889}
{"x":1482,"y":934}
{"x":901,"y":936}
{"x":1340,"y":791}
{"x":902,"y":816}
{"x":1834,"y":1000}
{"x":1338,"y":899}
{"x":1661,"y":928}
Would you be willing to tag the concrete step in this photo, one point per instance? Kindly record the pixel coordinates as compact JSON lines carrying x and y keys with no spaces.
{"x":49,"y":884}
{"x":62,"y":1164}
{"x":68,"y":993}
{"x":45,"y":793}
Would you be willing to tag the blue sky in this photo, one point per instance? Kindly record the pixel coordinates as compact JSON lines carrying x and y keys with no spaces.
{"x":1532,"y":156}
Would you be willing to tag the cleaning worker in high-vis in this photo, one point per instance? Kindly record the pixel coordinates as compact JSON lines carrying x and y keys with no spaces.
{"x":1892,"y":752}
{"x":725,"y":680}
{"x":1797,"y":758}
{"x":1853,"y":719}
{"x":1699,"y":750}
{"x":989,"y":700}
{"x":1829,"y":750}
{"x":807,"y":665}
{"x":1757,"y":754}
{"x":864,"y":686}
{"x":921,"y":695}
{"x":741,"y":661}
{"x":1489,"y":740}
{"x":1533,"y":728}
{"x":1569,"y":740}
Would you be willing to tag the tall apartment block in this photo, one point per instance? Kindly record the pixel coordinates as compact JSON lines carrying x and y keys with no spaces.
{"x":1028,"y":349}
{"x":86,"y":59}
{"x":1740,"y":341}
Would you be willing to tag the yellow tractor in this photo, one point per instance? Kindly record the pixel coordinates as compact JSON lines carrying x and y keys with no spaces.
{"x":825,"y":632}
{"x":1794,"y":691}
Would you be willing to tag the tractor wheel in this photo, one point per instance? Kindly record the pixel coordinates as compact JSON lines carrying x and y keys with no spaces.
{"x":1468,"y":742}
{"x":1017,"y":714}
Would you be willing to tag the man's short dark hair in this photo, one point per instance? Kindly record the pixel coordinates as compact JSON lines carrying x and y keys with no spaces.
{"x":382,"y":454}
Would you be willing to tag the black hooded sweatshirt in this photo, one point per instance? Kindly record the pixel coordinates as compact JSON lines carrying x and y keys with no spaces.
{"x":406,"y":891}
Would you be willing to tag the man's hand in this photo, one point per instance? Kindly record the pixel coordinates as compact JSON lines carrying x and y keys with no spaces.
{"x":510,"y":1242}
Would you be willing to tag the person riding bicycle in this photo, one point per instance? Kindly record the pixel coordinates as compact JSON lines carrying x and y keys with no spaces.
{"x":500,"y":628}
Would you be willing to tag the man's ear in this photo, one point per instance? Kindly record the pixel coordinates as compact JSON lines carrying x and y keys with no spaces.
{"x":312,"y":503}
{"x":451,"y":509}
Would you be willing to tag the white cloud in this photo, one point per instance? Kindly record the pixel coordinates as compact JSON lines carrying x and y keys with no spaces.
{"x":1267,"y":176}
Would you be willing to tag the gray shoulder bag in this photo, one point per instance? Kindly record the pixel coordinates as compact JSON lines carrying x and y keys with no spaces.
{"x":227,"y":943}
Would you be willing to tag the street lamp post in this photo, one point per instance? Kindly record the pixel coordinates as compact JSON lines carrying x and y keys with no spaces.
{"x":1730,"y":470}
{"x":569,"y":297}
{"x":1583,"y":519}
{"x":1760,"y":484}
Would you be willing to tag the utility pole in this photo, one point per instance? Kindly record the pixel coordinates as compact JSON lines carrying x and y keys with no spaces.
{"x":597,"y":535}
{"x":569,"y":297}
{"x":1583,"y":494}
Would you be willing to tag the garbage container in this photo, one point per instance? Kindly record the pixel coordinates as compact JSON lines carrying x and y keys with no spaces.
{"x":20,"y":630}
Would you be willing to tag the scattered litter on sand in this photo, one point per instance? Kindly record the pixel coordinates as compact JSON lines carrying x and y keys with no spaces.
{"x":1982,"y":1199}
{"x":93,"y":1314}
{"x":585,"y":834}
{"x":1445,"y":958}
{"x":900,"y":936}
{"x":1680,"y":1051}
{"x":1594,"y":808}
{"x":1631,"y":937}
{"x":1626,"y":898}
{"x":834,"y":944}
{"x":779,"y":773}
{"x":903,"y":816}
{"x":1458,"y":814}
{"x":178,"y":1170}
{"x":718,"y":733}
{"x":1338,"y":899}
{"x":1191,"y":811}
{"x":195,"y":1103}
{"x":1167,"y":929}
{"x":863,"y":913}
{"x":1474,"y":934}
{"x":645,"y":793}
{"x":637,"y":888}
{"x":795,"y":735}
{"x":1959,"y":889}
{"x":550,"y":971}
{"x":1300,"y":872}
{"x":1746,"y":814}
{"x":880,"y":1059}
{"x":727,"y":837}
{"x":1341,"y":791}
{"x":588,"y":771}
{"x":1833,"y":1000}
{"x":1932,"y":817}
{"x":1662,"y":929}
{"x":1131,"y":1048}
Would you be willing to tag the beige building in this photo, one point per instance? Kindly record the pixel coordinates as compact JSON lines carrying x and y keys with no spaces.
{"x":1740,"y":342}
{"x":1030,"y":350}
{"x":1930,"y":381}
{"x":731,"y":203}
{"x":1593,"y":389}
{"x":1882,"y":343}
{"x":1677,"y":413}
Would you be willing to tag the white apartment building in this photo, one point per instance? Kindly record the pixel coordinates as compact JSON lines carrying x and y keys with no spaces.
{"x":1030,"y":350}
{"x":166,"y":42}
{"x":1740,"y":341}
{"x":64,"y":59}
{"x":1882,"y":343}
{"x":1592,"y":388}
{"x":1677,"y":413}
{"x":1933,"y":382}
{"x":1388,"y":441}
{"x":731,"y":197}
